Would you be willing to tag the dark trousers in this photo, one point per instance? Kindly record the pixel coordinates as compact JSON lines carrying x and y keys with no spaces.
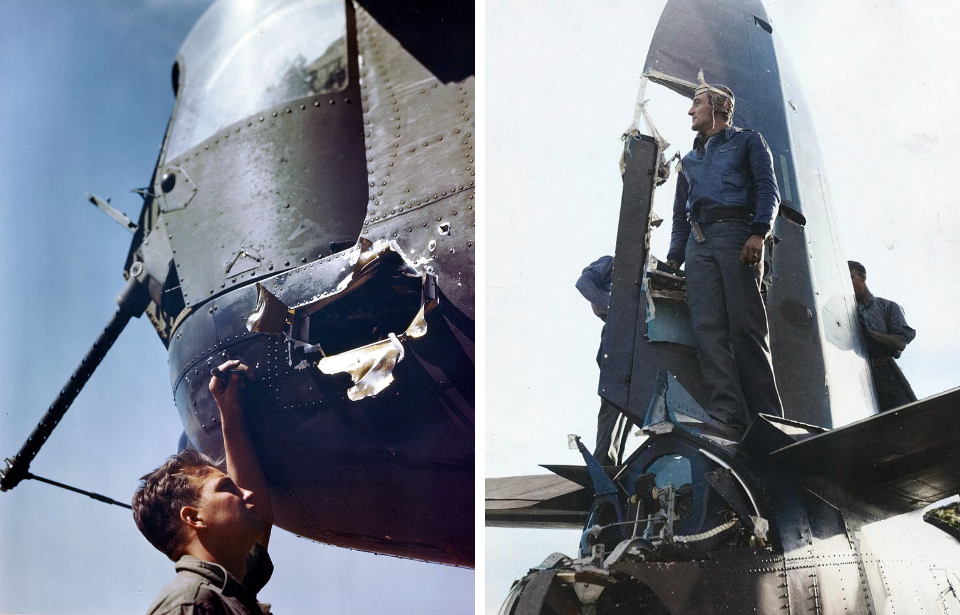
{"x":892,"y":387}
{"x":730,"y":324}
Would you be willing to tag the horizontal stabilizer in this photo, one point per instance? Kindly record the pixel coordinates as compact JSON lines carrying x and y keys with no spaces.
{"x":579,"y":474}
{"x":897,"y":461}
{"x":541,"y":501}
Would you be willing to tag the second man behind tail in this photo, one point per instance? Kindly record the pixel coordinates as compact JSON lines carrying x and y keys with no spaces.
{"x":595,"y":284}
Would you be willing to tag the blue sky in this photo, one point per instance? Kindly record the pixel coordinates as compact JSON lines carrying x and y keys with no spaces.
{"x":85,"y":96}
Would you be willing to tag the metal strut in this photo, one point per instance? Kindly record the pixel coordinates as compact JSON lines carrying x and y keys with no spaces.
{"x":133,"y":300}
{"x":95,"y":496}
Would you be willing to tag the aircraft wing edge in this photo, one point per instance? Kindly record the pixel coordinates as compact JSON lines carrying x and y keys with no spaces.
{"x":536,"y":501}
{"x":896,"y":461}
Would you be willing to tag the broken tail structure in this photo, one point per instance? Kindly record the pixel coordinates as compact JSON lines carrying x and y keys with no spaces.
{"x":647,"y":329}
{"x":370,"y":366}
{"x":675,"y":502}
{"x":640,"y":112}
{"x":692,"y":523}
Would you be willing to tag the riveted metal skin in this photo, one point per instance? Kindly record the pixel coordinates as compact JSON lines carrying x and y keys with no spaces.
{"x":288,"y":186}
{"x":421,"y":160}
{"x":278,"y":195}
{"x":172,"y":196}
{"x":401,"y":463}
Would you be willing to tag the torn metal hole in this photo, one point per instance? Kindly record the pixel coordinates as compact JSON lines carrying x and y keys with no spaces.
{"x":360,"y":325}
{"x":384,"y":303}
{"x":444,"y":229}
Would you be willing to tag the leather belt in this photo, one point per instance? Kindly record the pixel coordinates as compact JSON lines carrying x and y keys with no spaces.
{"x":722,"y":213}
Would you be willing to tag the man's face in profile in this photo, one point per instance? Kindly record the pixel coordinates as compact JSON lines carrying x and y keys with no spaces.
{"x":859,"y":283}
{"x":226,"y":508}
{"x":701,"y":113}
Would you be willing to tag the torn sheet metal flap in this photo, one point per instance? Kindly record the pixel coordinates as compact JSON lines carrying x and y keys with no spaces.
{"x":680,"y":86}
{"x":668,"y":320}
{"x":673,"y":405}
{"x":364,"y":258}
{"x":418,"y":327}
{"x":370,"y":367}
{"x":271,"y":315}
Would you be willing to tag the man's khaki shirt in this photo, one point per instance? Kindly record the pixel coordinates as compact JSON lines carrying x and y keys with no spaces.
{"x":204,"y":588}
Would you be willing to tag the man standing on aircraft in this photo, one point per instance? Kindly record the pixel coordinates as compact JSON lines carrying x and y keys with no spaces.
{"x":726,"y":200}
{"x":215,"y":526}
{"x":887,"y":333}
{"x":595,"y":284}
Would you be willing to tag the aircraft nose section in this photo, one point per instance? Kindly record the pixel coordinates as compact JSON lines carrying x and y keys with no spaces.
{"x":382,"y":473}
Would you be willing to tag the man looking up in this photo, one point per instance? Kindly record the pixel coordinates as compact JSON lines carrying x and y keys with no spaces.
{"x":725,"y":202}
{"x":887,"y":334}
{"x":215,"y":526}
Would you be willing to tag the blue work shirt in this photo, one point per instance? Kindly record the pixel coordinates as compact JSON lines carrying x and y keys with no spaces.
{"x":595,"y":284}
{"x":884,"y":316}
{"x":731,"y":172}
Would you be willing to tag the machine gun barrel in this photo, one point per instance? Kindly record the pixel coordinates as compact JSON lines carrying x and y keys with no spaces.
{"x":133,"y":300}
